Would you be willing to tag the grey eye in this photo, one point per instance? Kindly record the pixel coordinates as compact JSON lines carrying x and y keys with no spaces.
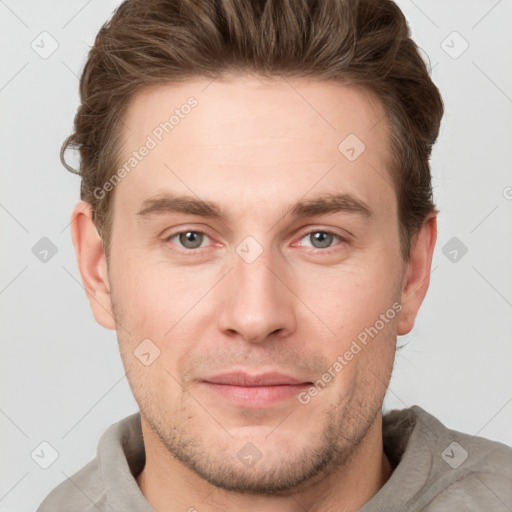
{"x":321,"y":239}
{"x":191,"y":239}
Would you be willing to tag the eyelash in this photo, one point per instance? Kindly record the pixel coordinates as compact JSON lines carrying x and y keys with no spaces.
{"x":326,"y":250}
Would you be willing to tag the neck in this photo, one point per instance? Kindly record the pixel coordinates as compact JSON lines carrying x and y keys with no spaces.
{"x":169,"y":486}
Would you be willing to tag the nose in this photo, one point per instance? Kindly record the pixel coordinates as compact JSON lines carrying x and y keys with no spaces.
{"x":256,"y":301}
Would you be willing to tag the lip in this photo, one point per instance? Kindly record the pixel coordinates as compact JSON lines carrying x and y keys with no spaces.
{"x":246,"y":380}
{"x":255,"y":391}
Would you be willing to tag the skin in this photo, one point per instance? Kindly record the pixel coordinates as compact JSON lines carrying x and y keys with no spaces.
{"x":254,"y":147}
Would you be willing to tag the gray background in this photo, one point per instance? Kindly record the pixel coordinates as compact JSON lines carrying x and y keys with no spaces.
{"x":61,"y":375}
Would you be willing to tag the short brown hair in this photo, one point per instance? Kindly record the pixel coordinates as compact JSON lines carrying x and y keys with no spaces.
{"x":362,"y":42}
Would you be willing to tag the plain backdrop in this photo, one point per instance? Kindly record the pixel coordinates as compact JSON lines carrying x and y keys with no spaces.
{"x":62,"y":379}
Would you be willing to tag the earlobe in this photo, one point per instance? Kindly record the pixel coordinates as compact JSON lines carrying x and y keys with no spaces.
{"x":417,"y":274}
{"x":92,"y":263}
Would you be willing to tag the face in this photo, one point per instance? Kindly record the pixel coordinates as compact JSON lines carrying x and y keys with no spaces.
{"x":253,"y":236}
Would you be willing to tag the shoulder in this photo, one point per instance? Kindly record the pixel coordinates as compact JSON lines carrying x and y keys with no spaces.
{"x":460,"y":449}
{"x":81,"y":492}
{"x":466,"y":471}
{"x":107,"y":480}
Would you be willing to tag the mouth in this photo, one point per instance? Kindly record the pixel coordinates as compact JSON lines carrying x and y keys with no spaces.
{"x":255,"y":391}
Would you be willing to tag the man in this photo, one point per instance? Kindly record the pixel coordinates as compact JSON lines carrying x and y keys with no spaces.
{"x":257,"y":225}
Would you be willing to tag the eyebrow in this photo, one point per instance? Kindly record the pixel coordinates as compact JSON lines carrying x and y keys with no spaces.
{"x":325,"y":204}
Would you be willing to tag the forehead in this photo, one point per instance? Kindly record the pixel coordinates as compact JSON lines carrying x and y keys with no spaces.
{"x":272,"y":105}
{"x":278,"y":137}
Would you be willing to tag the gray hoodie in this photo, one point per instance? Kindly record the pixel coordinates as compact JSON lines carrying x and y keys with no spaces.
{"x":435,"y":470}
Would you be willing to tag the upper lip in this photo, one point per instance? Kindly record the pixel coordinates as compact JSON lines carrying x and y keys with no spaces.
{"x":244,"y":379}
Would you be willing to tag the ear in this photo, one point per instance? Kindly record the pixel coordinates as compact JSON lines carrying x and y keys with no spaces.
{"x":92,"y":263}
{"x":417,"y":274}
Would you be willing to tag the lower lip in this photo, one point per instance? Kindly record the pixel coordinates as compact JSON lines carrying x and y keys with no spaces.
{"x":256,"y":396}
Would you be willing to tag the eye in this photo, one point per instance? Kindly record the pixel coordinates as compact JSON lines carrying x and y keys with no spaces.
{"x":188,"y":239}
{"x":321,"y":239}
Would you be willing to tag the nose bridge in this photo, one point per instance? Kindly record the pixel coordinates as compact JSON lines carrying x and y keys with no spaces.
{"x":259,"y":302}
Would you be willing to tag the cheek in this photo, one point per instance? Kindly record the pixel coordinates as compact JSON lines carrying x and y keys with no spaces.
{"x":150,"y":303}
{"x":150,"y":294}
{"x":350,"y":297}
{"x":169,"y":306}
